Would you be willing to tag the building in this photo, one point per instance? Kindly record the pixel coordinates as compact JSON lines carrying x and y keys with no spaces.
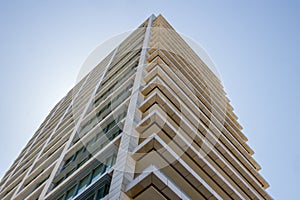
{"x":150,"y":121}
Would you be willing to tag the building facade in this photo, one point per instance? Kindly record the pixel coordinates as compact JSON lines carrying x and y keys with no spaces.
{"x":150,"y":121}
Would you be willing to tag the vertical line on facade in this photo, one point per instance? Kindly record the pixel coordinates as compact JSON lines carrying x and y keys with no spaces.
{"x":28,"y":148}
{"x":128,"y":125}
{"x":59,"y":161}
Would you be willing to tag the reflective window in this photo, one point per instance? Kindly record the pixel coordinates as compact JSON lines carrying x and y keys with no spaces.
{"x":102,"y":192}
{"x":83,"y":184}
{"x":97,"y":173}
{"x":70,"y":193}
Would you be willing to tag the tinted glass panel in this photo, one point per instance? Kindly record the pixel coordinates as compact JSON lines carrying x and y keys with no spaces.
{"x":83,"y":184}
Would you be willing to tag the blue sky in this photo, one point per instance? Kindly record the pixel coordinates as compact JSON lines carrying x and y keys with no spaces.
{"x":254,"y":44}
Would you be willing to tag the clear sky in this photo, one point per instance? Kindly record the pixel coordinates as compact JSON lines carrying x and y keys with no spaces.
{"x":254,"y":44}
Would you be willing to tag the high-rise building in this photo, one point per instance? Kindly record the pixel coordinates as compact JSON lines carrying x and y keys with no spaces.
{"x":150,"y":121}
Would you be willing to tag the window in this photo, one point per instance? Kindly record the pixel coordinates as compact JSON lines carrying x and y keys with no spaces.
{"x":102,"y":192}
{"x":74,"y":157}
{"x":70,"y":172}
{"x":97,"y":173}
{"x":61,"y":197}
{"x":83,"y":184}
{"x":106,"y":168}
{"x":70,"y":193}
{"x":68,"y":161}
{"x":105,"y":129}
{"x":41,"y":183}
{"x":59,"y":181}
{"x":109,"y":161}
{"x":111,"y":105}
{"x":116,"y":84}
{"x":82,"y":162}
{"x":91,"y":197}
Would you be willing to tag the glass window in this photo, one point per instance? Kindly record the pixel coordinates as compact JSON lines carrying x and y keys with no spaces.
{"x":59,"y":182}
{"x":111,"y":125}
{"x":91,"y":197}
{"x":83,"y":184}
{"x":68,"y":161}
{"x":114,"y":158}
{"x":109,"y":161}
{"x":61,"y":197}
{"x":70,"y":172}
{"x":106,"y":168}
{"x":102,"y":192}
{"x":97,"y":173}
{"x":70,"y":193}
{"x":76,"y":155}
{"x":82,"y":162}
{"x":105,"y":129}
